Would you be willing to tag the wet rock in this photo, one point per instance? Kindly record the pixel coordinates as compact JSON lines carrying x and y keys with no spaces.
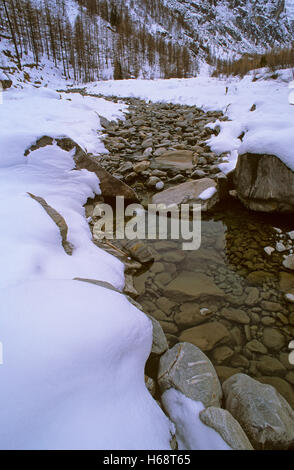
{"x":130,"y":178}
{"x":222,"y":353}
{"x":206,"y":336}
{"x":139,"y":282}
{"x":237,"y":336}
{"x":280,"y":247}
{"x":141,"y":166}
{"x":165,"y":305}
{"x":229,"y":429}
{"x":188,"y":192}
{"x":187,"y":369}
{"x":239,"y":361}
{"x":148,"y":152}
{"x":173,"y":256}
{"x":159,"y":344}
{"x":169,"y":327}
{"x":289,"y":262}
{"x":271,"y":306}
{"x":268,"y":365}
{"x":281,"y":386}
{"x":172,"y":340}
{"x":264,"y":183}
{"x":290,"y":378}
{"x":190,"y":315}
{"x":139,"y":250}
{"x":256,"y":346}
{"x":197,"y":174}
{"x":147,"y":143}
{"x":268,"y":321}
{"x":162,"y":279}
{"x":263,"y":413}
{"x":235,"y":315}
{"x":194,"y":285}
{"x":105,"y":122}
{"x":139,"y":122}
{"x":182,"y":159}
{"x":259,"y":277}
{"x":177,"y":179}
{"x":252,"y":296}
{"x":225,"y":372}
{"x":269,"y":250}
{"x":289,"y":298}
{"x":273,"y":339}
{"x":159,"y":151}
{"x":125,"y":167}
{"x":152,"y":181}
{"x":151,"y":385}
{"x":129,"y":287}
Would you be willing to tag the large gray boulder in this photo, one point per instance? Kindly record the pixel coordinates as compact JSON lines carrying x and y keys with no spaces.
{"x":186,"y":368}
{"x":265,"y":416}
{"x":264,"y":183}
{"x":230,"y":430}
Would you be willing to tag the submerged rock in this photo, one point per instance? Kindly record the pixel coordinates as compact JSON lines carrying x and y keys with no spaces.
{"x":194,"y":285}
{"x":206,"y":336}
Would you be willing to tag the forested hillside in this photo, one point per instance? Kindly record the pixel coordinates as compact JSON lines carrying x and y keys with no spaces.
{"x":98,"y":39}
{"x":101,"y":39}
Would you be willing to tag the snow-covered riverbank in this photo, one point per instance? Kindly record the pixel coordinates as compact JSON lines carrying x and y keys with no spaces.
{"x":73,"y":353}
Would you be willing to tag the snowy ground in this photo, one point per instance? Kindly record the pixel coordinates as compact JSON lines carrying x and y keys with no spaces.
{"x":73,"y":353}
{"x":269,"y":129}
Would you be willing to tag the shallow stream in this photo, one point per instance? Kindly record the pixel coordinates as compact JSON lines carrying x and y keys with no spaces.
{"x":226,"y":297}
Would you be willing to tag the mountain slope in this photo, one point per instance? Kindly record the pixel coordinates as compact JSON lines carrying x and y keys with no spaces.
{"x":101,"y":39}
{"x":236,"y":26}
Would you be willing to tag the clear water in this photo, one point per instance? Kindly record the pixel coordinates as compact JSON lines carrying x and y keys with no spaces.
{"x":238,"y":277}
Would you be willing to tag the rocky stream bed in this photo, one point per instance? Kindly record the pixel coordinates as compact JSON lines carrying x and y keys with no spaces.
{"x":232,"y":297}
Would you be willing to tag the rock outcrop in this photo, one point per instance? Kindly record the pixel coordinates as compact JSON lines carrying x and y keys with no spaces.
{"x":264,"y":183}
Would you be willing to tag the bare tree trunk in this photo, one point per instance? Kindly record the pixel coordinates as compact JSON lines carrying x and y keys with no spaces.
{"x":12,"y":34}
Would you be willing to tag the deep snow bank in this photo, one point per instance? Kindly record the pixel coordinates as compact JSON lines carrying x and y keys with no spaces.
{"x":74,"y":353}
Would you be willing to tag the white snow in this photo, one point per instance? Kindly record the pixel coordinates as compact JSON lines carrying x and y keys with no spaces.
{"x":207,"y":193}
{"x":73,"y":352}
{"x":290,"y":298}
{"x":267,"y":130}
{"x":289,"y":5}
{"x":191,"y":433}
